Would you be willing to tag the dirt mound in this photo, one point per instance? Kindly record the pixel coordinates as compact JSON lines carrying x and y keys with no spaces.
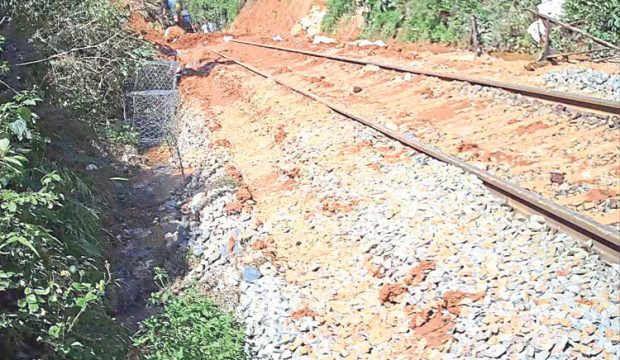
{"x":173,"y":33}
{"x":148,"y":31}
{"x":175,"y":37}
{"x":271,"y":17}
{"x":191,"y":40}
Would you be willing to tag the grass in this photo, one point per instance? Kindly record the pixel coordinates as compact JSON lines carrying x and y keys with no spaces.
{"x":190,"y":326}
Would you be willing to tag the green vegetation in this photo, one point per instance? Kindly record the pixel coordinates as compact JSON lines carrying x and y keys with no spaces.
{"x":337,"y":9}
{"x":502,"y":23}
{"x":220,"y":12}
{"x":385,"y":18}
{"x":600,"y":18}
{"x":54,"y":279}
{"x":189,"y":327}
{"x":88,"y":79}
{"x":123,"y":134}
{"x":52,"y":275}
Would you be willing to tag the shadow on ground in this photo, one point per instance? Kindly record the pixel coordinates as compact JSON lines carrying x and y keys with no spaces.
{"x":148,"y":234}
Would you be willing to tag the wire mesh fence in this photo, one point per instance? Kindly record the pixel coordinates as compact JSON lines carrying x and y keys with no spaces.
{"x":155,"y":75}
{"x":153,"y":115}
{"x":154,"y":101}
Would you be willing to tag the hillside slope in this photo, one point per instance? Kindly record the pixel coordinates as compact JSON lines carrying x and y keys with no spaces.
{"x":270,"y":17}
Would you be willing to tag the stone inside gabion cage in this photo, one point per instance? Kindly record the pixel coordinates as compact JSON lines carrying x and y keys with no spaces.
{"x":153,"y":114}
{"x":155,"y":75}
{"x":154,"y":101}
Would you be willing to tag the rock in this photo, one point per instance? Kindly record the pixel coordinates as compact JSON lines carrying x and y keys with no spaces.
{"x":251,"y":274}
{"x":319,"y":39}
{"x":364,"y":43}
{"x":560,"y":345}
{"x":130,"y":155}
{"x":213,"y":257}
{"x":306,"y":324}
{"x":198,"y":202}
{"x":182,"y":236}
{"x":371,"y":68}
{"x":173,"y":32}
{"x":536,"y":223}
{"x":305,"y":23}
{"x":233,"y":207}
{"x":389,"y":293}
{"x":296,"y":30}
{"x":587,"y":81}
{"x":198,"y":250}
{"x":497,"y":350}
{"x":557,"y":178}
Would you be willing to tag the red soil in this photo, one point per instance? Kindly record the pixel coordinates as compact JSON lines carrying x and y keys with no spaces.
{"x":388,"y":293}
{"x":418,"y":273}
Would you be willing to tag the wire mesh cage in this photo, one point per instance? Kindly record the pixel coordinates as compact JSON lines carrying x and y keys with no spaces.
{"x":155,"y":75}
{"x":154,"y":101}
{"x":153,"y":114}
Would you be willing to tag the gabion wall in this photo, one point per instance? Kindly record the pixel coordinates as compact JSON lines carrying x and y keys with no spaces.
{"x":153,"y":114}
{"x":156,"y":75}
{"x":154,"y":101}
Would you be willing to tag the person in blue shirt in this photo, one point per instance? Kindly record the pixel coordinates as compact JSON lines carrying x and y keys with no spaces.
{"x":179,"y":13}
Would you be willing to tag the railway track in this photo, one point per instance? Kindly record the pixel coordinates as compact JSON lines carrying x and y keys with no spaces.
{"x":586,"y":102}
{"x":605,"y":238}
{"x":526,"y":141}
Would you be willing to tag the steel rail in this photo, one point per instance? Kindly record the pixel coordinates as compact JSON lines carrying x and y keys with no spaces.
{"x":582,"y":101}
{"x":605,"y":235}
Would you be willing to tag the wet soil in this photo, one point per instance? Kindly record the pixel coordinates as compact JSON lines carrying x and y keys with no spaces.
{"x":148,"y":233}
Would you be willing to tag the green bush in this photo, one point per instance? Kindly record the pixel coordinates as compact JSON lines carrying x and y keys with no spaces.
{"x":502,"y":23}
{"x":189,"y":326}
{"x":50,"y":257}
{"x":599,"y":18}
{"x":220,"y":12}
{"x":428,"y":20}
{"x":53,"y":276}
{"x":123,"y":134}
{"x":336,"y":9}
{"x":385,"y":17}
{"x":98,"y":54}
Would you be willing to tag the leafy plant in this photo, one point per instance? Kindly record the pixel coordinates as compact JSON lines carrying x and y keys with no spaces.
{"x":123,"y":134}
{"x":599,"y":18}
{"x":50,"y":260}
{"x":336,"y":9}
{"x":220,"y":12}
{"x":502,"y":23}
{"x":86,"y":50}
{"x":53,"y":278}
{"x":4,"y":67}
{"x":385,"y":17}
{"x":190,"y":326}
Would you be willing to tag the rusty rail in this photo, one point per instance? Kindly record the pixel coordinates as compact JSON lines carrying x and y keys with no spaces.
{"x":607,"y":238}
{"x":583,"y":101}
